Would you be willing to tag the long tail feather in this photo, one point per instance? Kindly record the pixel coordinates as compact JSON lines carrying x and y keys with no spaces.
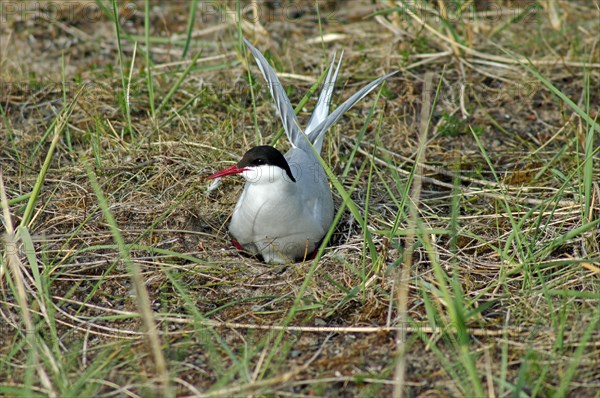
{"x":323,"y":103}
{"x":320,"y":120}
{"x":320,"y":130}
{"x":282,"y":102}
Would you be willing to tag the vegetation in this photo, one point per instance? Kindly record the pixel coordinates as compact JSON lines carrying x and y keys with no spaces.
{"x":464,"y":259}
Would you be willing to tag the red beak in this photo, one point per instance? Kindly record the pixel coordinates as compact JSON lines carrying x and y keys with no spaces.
{"x":226,"y":172}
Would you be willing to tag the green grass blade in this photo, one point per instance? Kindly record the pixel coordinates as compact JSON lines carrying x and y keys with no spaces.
{"x":582,"y":346}
{"x":178,"y":83}
{"x":143,"y":299}
{"x":59,"y":124}
{"x":555,"y":90}
{"x":190,"y":27}
{"x":149,"y":81}
{"x":124,"y":84}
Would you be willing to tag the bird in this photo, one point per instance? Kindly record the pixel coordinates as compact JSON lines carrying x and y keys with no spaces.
{"x":286,"y":206}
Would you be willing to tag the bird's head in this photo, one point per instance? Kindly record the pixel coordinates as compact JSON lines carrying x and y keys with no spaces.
{"x":260,"y":165}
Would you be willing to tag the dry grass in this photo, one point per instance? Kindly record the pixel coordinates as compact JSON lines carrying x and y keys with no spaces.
{"x":501,"y":249}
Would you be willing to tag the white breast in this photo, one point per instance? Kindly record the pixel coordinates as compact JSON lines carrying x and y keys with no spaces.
{"x":281,"y":219}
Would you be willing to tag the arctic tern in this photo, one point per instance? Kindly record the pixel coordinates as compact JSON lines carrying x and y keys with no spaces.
{"x":286,"y":206}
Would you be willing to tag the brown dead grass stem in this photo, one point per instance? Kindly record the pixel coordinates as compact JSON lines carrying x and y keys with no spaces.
{"x":487,"y":192}
{"x":89,"y":326}
{"x":404,"y":275}
{"x":144,"y":304}
{"x":17,"y":281}
{"x":492,"y":57}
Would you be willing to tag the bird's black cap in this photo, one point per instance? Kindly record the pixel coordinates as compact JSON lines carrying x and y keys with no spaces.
{"x":265,"y":155}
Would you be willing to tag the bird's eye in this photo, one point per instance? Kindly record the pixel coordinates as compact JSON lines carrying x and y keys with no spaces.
{"x":258,"y":162}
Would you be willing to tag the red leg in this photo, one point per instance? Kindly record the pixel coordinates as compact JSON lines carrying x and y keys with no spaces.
{"x":237,"y":244}
{"x":313,"y":254}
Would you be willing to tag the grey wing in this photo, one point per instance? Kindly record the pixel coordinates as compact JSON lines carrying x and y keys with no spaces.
{"x":282,"y":102}
{"x":322,"y":108}
{"x":320,"y":130}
